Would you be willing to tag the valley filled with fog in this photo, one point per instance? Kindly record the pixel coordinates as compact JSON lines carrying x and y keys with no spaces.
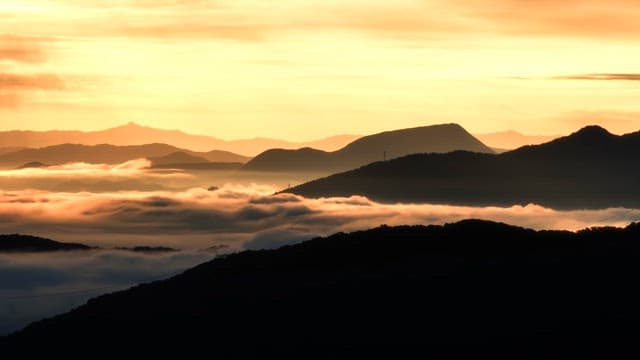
{"x":197,"y":214}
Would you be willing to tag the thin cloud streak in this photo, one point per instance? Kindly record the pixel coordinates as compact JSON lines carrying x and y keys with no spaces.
{"x":14,"y":87}
{"x":571,"y":18}
{"x":21,"y":49}
{"x":601,"y":77}
{"x":38,"y":81}
{"x":252,"y":20}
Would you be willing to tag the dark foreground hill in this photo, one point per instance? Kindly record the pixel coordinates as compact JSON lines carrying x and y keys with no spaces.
{"x":588,"y":169}
{"x":390,"y":144}
{"x":468,"y":283}
{"x":27,"y":243}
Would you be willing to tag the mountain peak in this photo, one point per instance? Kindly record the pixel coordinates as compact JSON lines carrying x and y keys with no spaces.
{"x":592,"y":131}
{"x":132,"y":124}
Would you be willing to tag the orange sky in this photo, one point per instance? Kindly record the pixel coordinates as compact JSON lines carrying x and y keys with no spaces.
{"x":303,"y":69}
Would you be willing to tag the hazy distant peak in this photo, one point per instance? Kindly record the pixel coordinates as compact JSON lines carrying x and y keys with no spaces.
{"x":512,"y":139}
{"x":132,"y":134}
{"x":130,"y":125}
{"x":178,"y":157}
{"x":133,"y":124}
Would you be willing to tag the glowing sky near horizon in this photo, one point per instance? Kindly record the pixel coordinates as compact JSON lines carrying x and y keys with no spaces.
{"x":304,"y":69}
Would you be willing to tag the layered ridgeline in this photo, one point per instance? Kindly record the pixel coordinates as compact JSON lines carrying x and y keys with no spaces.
{"x":183,"y":160}
{"x":509,"y":140}
{"x":588,"y":169}
{"x":390,"y":144}
{"x":472,"y":282}
{"x":111,"y":154}
{"x":27,"y":244}
{"x":134,"y":134}
{"x":17,"y":243}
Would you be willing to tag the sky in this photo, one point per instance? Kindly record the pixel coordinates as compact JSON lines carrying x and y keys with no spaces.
{"x":304,"y":69}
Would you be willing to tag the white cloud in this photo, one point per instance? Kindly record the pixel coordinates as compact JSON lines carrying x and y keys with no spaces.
{"x":242,"y":217}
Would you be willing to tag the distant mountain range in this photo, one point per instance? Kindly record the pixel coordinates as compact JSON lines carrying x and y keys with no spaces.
{"x":111,"y":154}
{"x":510,"y":140}
{"x":185,"y":161}
{"x":390,"y":144}
{"x":588,"y":169}
{"x":134,"y":134}
{"x":10,"y":149}
{"x":30,"y":244}
{"x":178,"y":157}
{"x":475,"y":283}
{"x":18,"y":243}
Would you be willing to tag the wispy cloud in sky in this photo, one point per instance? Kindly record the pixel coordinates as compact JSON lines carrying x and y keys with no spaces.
{"x":413,"y":62}
{"x":21,"y":48}
{"x":39,"y":81}
{"x":599,"y":77}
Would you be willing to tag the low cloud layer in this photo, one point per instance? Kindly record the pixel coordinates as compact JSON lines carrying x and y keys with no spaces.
{"x":235,"y":214}
{"x":36,"y":286}
{"x":134,"y":175}
{"x":133,"y":168}
{"x":239,"y":217}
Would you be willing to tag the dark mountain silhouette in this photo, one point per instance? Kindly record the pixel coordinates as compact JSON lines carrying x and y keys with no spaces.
{"x":134,"y":134}
{"x":31,"y":165}
{"x":148,"y":249}
{"x":390,"y":144}
{"x":470,"y":283}
{"x":204,"y":166}
{"x":588,"y":169}
{"x":6,"y":150}
{"x":18,"y":243}
{"x":177,"y":157}
{"x":185,"y":161}
{"x":30,"y":244}
{"x":105,"y":154}
{"x":221,"y":156}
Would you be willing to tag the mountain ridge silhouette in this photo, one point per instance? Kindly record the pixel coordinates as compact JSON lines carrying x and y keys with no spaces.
{"x":18,"y":243}
{"x":106,"y":154}
{"x":135,"y":134}
{"x":388,"y":144}
{"x":473,"y":282}
{"x":590,"y":168}
{"x":511,"y":139}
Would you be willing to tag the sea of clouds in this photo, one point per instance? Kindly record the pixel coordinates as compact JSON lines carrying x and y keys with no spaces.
{"x":235,"y":216}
